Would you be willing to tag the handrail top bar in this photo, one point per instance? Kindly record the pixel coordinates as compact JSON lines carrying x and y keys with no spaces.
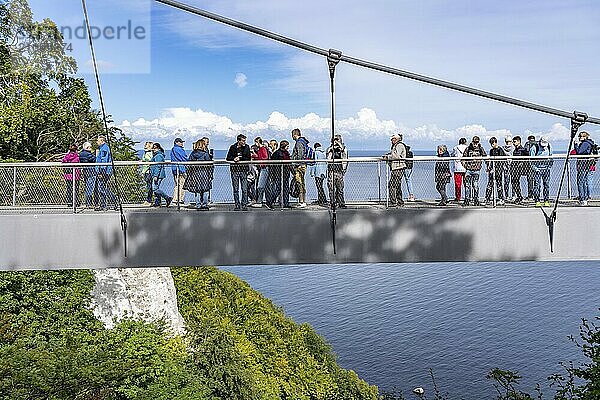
{"x":375,"y":66}
{"x":59,"y":164}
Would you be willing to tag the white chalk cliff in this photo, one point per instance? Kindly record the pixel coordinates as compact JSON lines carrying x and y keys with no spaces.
{"x":147,"y":294}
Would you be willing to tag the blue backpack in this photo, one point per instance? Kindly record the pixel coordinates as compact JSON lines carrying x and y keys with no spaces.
{"x":309,"y":153}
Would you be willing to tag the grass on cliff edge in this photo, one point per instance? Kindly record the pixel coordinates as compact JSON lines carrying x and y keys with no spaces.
{"x":239,"y":345}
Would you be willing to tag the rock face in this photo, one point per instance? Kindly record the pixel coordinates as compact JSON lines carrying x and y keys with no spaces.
{"x":140,"y":293}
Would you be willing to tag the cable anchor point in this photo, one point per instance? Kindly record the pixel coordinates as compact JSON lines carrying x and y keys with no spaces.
{"x":579,"y":118}
{"x":333,"y":59}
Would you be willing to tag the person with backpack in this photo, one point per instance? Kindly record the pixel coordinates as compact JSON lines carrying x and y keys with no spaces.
{"x":585,"y":146}
{"x":541,"y":170}
{"x":396,"y":159}
{"x":518,"y":169}
{"x":158,"y":175}
{"x":336,"y":171}
{"x":442,"y":174}
{"x":319,"y":172}
{"x":301,"y":152}
{"x":495,"y":170}
{"x":529,"y":169}
{"x":407,"y":173}
{"x":475,"y":149}
{"x":459,"y":169}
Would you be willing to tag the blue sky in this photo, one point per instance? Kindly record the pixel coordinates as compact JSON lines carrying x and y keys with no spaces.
{"x":201,"y":78}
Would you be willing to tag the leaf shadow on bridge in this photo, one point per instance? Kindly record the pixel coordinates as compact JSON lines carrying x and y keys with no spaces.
{"x":169,"y":238}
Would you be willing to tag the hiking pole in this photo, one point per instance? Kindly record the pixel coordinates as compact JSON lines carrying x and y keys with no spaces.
{"x":332,"y":61}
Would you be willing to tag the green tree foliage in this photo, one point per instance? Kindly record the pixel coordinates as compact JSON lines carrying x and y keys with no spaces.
{"x":238,"y":346}
{"x":52,"y":346}
{"x":43,"y":108}
{"x":250,"y":350}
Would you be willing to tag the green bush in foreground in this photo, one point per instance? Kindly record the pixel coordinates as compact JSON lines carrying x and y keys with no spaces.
{"x":239,"y":346}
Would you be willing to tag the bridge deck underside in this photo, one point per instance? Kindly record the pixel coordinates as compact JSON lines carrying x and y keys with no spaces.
{"x":364,"y":235}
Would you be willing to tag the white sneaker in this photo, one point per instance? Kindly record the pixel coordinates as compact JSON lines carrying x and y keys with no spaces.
{"x":147,"y":204}
{"x":584,"y":203}
{"x":500,"y":202}
{"x":256,"y":205}
{"x":411,"y":197}
{"x":301,"y":205}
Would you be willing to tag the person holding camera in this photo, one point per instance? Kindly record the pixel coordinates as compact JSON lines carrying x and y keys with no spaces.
{"x":239,"y":151}
{"x":336,"y":171}
{"x":158,"y":174}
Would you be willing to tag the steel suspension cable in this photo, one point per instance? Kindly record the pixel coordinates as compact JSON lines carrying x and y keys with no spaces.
{"x":108,"y":140}
{"x":370,"y":65}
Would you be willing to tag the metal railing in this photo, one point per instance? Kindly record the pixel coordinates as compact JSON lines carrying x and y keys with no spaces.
{"x":50,"y":185}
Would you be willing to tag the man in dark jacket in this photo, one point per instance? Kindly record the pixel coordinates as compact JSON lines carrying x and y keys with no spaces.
{"x":495,"y":170}
{"x":89,"y":174}
{"x":475,"y":149}
{"x":528,"y":168}
{"x":238,"y":152}
{"x":584,"y":147}
{"x":518,"y":169}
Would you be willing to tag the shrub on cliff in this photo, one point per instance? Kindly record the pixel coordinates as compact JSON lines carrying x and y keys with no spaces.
{"x":250,"y":350}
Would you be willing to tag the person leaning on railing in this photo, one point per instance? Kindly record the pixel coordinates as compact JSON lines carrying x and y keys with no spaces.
{"x":89,"y":177}
{"x":396,"y":162}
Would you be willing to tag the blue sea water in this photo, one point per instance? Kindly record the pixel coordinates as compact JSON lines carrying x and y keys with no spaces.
{"x":392,"y":322}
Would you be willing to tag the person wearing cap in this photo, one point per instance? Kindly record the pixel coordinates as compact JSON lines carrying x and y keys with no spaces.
{"x":397,"y":164}
{"x":509,"y":149}
{"x":178,"y":154}
{"x":87,"y":157}
{"x":541,"y":170}
{"x":475,"y":149}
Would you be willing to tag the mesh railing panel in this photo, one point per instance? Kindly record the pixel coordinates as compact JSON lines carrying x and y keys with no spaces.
{"x":365,"y":181}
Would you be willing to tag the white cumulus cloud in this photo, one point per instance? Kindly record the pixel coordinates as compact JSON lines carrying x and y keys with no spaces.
{"x":240,"y":80}
{"x":363,"y":130}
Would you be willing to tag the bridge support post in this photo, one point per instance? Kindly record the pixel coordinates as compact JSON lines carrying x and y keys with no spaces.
{"x":73,"y":192}
{"x":333,"y":60}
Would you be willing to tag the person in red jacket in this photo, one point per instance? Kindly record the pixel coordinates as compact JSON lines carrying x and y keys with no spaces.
{"x":72,"y":175}
{"x":263,"y":172}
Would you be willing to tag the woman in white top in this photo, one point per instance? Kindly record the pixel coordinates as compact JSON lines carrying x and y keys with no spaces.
{"x":459,"y":169}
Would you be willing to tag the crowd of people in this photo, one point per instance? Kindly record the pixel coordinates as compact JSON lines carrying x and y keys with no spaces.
{"x":265,"y":184}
